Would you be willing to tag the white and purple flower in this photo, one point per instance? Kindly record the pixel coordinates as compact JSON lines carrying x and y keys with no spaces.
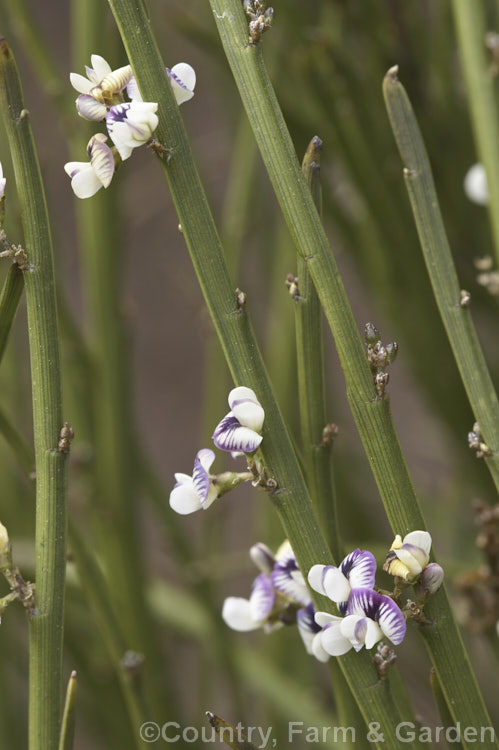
{"x":191,"y":493}
{"x":240,"y":429}
{"x":131,"y":125}
{"x":358,"y":570}
{"x":182,"y":78}
{"x":408,"y":556}
{"x":100,"y":88}
{"x":89,"y":177}
{"x":369,"y":617}
{"x":311,"y":632}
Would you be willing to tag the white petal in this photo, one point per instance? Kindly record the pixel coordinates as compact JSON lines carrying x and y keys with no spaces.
{"x":80,"y":83}
{"x":100,"y":66}
{"x":284,"y":551}
{"x":246,"y":408}
{"x":333,"y":641}
{"x":206,"y":458}
{"x":236,"y":613}
{"x":85,"y":183}
{"x":183,"y":478}
{"x":90,"y":109}
{"x":336,"y":586}
{"x":212,"y":495}
{"x":476,"y":185}
{"x":324,"y":618}
{"x":133,"y":91}
{"x":318,"y":650}
{"x":315,"y":578}
{"x":184,"y":499}
{"x":421,"y":539}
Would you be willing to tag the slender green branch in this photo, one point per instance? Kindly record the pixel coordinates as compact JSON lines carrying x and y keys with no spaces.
{"x":9,"y":302}
{"x":308,"y":316}
{"x":454,"y":307}
{"x":68,"y":717}
{"x":231,"y":321}
{"x":441,"y":704}
{"x":471,"y":28}
{"x":372,"y":414}
{"x":46,"y":627}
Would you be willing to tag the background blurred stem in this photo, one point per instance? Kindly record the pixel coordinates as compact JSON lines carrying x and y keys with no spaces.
{"x":471,"y":28}
{"x":9,"y":302}
{"x":68,"y":717}
{"x":441,"y":270}
{"x":46,"y":628}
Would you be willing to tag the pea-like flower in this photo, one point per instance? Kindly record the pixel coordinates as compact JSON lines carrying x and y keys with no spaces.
{"x":407,"y":557}
{"x":240,"y":429}
{"x":432,"y":577}
{"x":3,"y":182}
{"x":311,"y":633}
{"x":198,"y":491}
{"x":357,"y":570}
{"x":182,"y":79}
{"x":88,"y":177}
{"x":100,"y":89}
{"x":370,"y":616}
{"x":131,"y":125}
{"x":476,"y":186}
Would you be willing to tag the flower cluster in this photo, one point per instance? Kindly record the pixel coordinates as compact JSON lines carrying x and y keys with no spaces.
{"x":279,"y":596}
{"x":129,"y":123}
{"x":238,"y":432}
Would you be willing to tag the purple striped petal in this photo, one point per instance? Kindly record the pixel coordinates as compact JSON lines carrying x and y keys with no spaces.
{"x":360,"y":569}
{"x":262,"y":598}
{"x":381,"y":609}
{"x":310,"y":632}
{"x":90,"y":109}
{"x":287,"y":578}
{"x":200,"y":475}
{"x":229,"y":436}
{"x":391,"y":621}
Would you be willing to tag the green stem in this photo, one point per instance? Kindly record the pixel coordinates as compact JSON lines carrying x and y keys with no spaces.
{"x":471,"y":27}
{"x":372,"y":414}
{"x":236,"y":335}
{"x":68,"y":716}
{"x":441,"y":269}
{"x":312,"y":399}
{"x":9,"y":302}
{"x":46,"y":627}
{"x":441,"y":704}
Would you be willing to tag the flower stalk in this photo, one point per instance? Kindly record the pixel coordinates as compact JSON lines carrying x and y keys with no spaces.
{"x":46,"y":626}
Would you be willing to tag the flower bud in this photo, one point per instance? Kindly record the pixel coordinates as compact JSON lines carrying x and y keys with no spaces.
{"x":431,"y":578}
{"x":4,"y":547}
{"x":371,"y":334}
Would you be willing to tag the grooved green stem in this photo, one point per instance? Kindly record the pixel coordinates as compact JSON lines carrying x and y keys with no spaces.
{"x":233,"y":327}
{"x":372,"y":415}
{"x":312,"y":400}
{"x":441,"y":269}
{"x":471,"y":27}
{"x":46,"y":627}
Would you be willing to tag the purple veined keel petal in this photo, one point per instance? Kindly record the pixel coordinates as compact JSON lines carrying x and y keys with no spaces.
{"x":184,"y":499}
{"x":288,"y":580}
{"x":307,"y":627}
{"x":262,"y":557}
{"x":90,"y":109}
{"x":101,"y":159}
{"x":391,"y":620}
{"x":262,"y":598}
{"x":360,"y":569}
{"x":236,"y":613}
{"x":333,"y":641}
{"x":183,"y":81}
{"x":413,"y":557}
{"x":230,"y":436}
{"x":200,"y":474}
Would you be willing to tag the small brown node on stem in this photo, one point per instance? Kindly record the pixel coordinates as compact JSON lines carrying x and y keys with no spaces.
{"x":65,"y":437}
{"x":329,"y":433}
{"x":260,"y":19}
{"x":477,"y":443}
{"x":240,"y":299}
{"x":292,"y":286}
{"x":161,"y":151}
{"x":385,"y":657}
{"x":132,"y":663}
